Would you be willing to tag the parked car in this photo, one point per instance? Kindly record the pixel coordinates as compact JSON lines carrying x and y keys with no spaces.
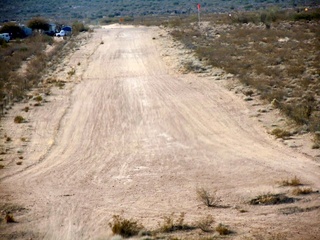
{"x":5,"y":36}
{"x":63,"y":33}
{"x":49,"y":33}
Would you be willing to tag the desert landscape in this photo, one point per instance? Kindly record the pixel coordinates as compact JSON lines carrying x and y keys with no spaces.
{"x":161,"y":126}
{"x":130,"y":135}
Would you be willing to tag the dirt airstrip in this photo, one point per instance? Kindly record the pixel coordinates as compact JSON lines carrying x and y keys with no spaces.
{"x":128,"y":134}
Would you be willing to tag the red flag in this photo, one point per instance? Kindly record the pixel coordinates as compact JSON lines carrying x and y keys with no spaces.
{"x":198,"y":5}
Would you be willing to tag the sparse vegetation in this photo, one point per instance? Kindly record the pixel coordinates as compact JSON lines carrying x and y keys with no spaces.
{"x":280,"y":133}
{"x":209,"y":199}
{"x":295,"y":181}
{"x":264,"y":51}
{"x":170,"y":224}
{"x":71,"y":72}
{"x":9,"y":218}
{"x":19,"y":119}
{"x":292,"y":210}
{"x":302,"y":191}
{"x":271,"y":199}
{"x":222,"y":229}
{"x":125,"y":227}
{"x":38,"y":98}
{"x":205,"y":224}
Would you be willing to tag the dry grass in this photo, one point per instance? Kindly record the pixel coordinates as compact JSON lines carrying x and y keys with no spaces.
{"x":207,"y":198}
{"x":9,"y":218}
{"x":271,"y":199}
{"x":281,"y":61}
{"x":125,"y":227}
{"x":281,"y":133}
{"x":29,"y":51}
{"x":222,"y":229}
{"x":19,"y":119}
{"x":295,"y":181}
{"x":171,"y":224}
{"x":205,"y":224}
{"x":302,"y":191}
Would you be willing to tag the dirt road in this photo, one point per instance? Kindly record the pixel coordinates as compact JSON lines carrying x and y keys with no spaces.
{"x":137,"y":139}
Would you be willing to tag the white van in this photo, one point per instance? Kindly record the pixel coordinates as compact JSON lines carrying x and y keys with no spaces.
{"x":5,"y":36}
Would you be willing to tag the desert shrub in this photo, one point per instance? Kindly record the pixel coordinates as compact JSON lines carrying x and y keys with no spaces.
{"x":78,"y":27}
{"x":9,"y":218}
{"x":209,"y":199}
{"x":277,"y":62}
{"x":125,"y":227}
{"x":295,"y":181}
{"x":19,"y":163}
{"x":38,"y":98}
{"x":19,"y":119}
{"x":71,"y":72}
{"x":1,"y":166}
{"x":302,"y":191}
{"x":280,"y":133}
{"x":170,"y":224}
{"x":205,"y":223}
{"x":222,"y":229}
{"x":271,"y":199}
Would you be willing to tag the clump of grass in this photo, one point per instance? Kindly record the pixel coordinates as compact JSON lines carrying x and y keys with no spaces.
{"x":302,"y":191}
{"x":295,"y":181}
{"x":19,"y":119}
{"x":209,"y":199}
{"x":223,"y":229}
{"x":280,"y":133}
{"x":38,"y":98}
{"x":205,"y":223}
{"x":9,"y":218}
{"x":60,"y":84}
{"x":170,"y":224}
{"x":125,"y":227}
{"x":1,"y":166}
{"x":26,"y":109}
{"x":271,"y":199}
{"x":8,"y":139}
{"x":72,"y":72}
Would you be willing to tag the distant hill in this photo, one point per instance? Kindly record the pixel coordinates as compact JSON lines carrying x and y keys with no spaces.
{"x":92,"y":10}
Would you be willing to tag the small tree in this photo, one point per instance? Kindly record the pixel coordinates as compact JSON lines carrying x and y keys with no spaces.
{"x":38,"y":23}
{"x":14,"y":30}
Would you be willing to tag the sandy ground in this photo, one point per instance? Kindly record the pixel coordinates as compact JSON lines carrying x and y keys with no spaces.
{"x":130,"y":135}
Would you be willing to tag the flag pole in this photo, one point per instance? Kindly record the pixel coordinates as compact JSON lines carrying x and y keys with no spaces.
{"x":198,"y":6}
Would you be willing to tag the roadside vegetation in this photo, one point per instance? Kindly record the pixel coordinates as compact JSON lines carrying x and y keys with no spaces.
{"x":170,"y":228}
{"x":24,"y":60}
{"x":274,"y":52}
